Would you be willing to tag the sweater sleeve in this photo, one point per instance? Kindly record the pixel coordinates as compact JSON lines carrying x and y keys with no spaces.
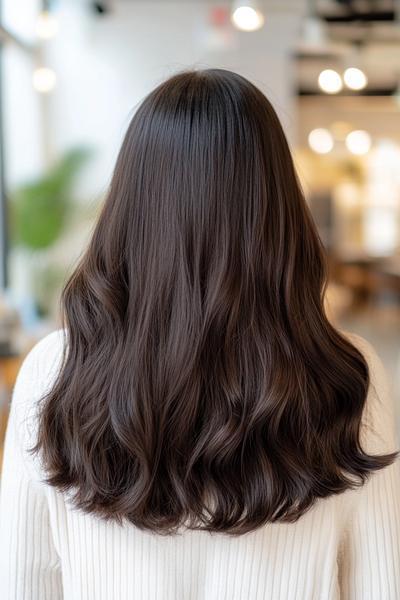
{"x":369,"y":564}
{"x":29,"y":564}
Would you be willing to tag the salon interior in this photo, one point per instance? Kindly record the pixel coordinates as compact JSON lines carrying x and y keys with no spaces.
{"x":71,"y":75}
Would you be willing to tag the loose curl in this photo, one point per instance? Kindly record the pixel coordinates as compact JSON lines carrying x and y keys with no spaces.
{"x":202,"y":384}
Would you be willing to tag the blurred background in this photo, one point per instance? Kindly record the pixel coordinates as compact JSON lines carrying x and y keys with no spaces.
{"x":71,"y":75}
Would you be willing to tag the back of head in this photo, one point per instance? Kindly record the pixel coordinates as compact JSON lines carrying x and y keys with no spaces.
{"x":203,"y":384}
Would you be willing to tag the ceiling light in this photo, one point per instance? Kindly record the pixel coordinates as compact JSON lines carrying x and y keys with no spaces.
{"x":358,"y":141}
{"x":46,"y":25}
{"x":44,"y":80}
{"x":355,"y":79}
{"x":320,"y":140}
{"x":247,"y":17}
{"x":330,"y":81}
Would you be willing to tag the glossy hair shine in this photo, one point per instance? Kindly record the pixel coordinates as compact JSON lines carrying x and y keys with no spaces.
{"x":202,"y":383}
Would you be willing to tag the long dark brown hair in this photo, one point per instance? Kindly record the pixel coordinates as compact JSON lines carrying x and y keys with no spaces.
{"x":202,"y":383}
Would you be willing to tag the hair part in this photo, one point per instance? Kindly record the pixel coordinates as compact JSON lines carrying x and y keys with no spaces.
{"x":203,"y":384}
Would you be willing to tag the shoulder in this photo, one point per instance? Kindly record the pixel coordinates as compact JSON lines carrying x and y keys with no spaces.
{"x":380,"y":384}
{"x":43,"y":359}
{"x":362,"y":344}
{"x":35,"y":377}
{"x":378,"y":432}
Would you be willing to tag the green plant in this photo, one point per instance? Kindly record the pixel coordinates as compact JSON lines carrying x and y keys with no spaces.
{"x":38,"y":209}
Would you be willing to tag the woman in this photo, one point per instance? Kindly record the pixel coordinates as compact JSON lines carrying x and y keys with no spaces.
{"x":198,"y":429}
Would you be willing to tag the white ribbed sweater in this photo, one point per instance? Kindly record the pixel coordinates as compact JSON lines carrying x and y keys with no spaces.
{"x":346,"y":546}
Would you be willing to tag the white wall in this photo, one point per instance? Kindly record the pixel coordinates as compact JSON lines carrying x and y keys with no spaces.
{"x":21,"y":105}
{"x":105,"y":65}
{"x":19,"y":16}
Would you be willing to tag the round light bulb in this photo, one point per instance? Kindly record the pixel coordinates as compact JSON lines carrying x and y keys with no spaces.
{"x":44,"y":80}
{"x":247,"y":18}
{"x":355,"y":79}
{"x":46,"y":25}
{"x":320,"y":140}
{"x":330,"y":81}
{"x":358,"y":142}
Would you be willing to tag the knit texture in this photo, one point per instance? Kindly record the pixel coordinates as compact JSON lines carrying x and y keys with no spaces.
{"x":345,"y":547}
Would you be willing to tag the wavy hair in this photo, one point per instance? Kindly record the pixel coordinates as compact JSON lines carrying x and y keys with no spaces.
{"x":202,"y":384}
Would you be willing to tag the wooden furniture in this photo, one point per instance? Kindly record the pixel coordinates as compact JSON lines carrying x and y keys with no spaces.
{"x":370,"y":279}
{"x":9,"y":367}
